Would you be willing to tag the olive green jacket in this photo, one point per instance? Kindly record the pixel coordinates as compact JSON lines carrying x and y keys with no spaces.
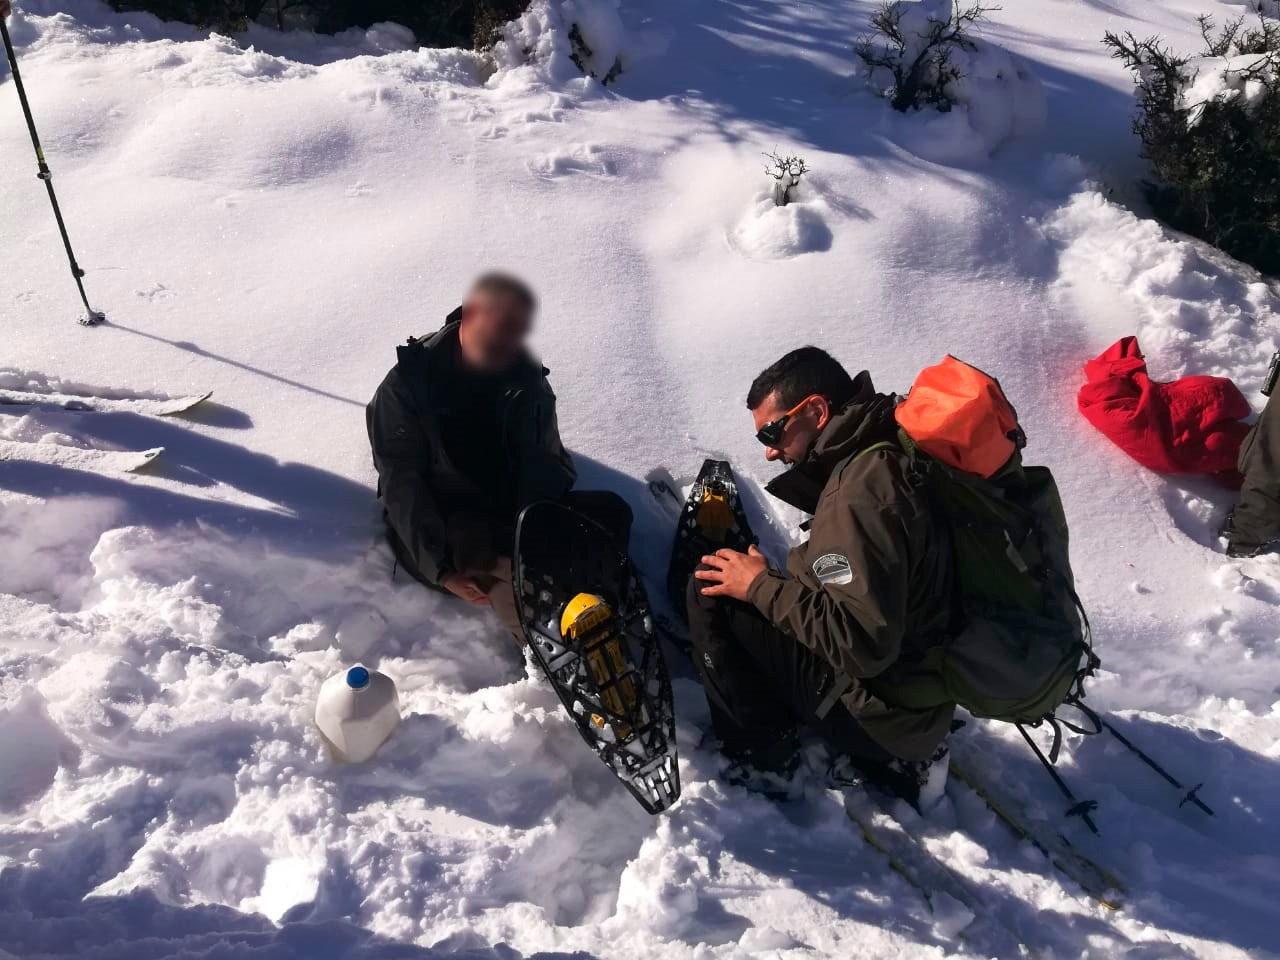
{"x":870,"y":591}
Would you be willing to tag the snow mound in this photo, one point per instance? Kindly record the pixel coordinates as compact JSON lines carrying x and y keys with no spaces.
{"x":388,"y":37}
{"x":1268,"y":8}
{"x":1195,"y":309}
{"x":770,"y":232}
{"x":32,"y":748}
{"x":550,"y":34}
{"x":997,"y":98}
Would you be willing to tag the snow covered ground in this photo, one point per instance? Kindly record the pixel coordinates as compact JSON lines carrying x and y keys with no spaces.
{"x":269,"y":223}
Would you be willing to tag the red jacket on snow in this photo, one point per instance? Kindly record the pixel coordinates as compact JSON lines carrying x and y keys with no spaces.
{"x":1192,"y":425}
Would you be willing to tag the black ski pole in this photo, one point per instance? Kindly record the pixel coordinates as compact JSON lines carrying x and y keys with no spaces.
{"x":1079,"y":808}
{"x":1191,"y":796}
{"x":92,"y":316}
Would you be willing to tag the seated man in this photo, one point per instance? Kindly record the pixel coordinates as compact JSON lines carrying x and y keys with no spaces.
{"x":464,"y":436}
{"x":820,"y":644}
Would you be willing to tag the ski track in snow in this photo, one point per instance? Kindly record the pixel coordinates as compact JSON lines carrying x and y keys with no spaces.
{"x":270,"y":223}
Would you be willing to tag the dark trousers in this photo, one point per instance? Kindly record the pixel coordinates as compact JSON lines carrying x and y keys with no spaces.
{"x":479,"y":540}
{"x":480,"y":547}
{"x":764,"y":688}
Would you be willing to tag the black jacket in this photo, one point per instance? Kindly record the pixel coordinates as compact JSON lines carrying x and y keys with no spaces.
{"x":419,"y":485}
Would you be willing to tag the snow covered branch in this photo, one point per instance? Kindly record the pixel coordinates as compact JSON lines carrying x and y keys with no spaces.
{"x":914,"y":45}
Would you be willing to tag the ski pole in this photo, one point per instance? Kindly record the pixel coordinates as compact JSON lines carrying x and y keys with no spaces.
{"x":92,"y":317}
{"x":1191,"y":796}
{"x":1078,"y":808}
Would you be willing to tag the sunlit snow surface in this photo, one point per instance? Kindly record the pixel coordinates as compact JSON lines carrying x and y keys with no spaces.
{"x":269,"y":223}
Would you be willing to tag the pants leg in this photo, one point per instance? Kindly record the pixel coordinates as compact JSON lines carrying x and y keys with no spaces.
{"x":498,"y":586}
{"x":1256,"y":518}
{"x":762,"y":686}
{"x":477,"y":544}
{"x":481,"y":544}
{"x":607,"y":509}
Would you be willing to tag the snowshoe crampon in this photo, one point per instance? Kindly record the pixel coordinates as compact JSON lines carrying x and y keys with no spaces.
{"x":712,"y":519}
{"x":587,"y":621}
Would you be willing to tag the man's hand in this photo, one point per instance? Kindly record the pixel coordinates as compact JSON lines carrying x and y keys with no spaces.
{"x":464,"y":588}
{"x":731,"y":573}
{"x":6,"y":8}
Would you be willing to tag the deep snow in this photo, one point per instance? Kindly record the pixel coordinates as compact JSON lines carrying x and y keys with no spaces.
{"x":269,"y":223}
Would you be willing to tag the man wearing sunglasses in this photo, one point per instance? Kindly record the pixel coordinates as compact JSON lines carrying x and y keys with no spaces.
{"x":823,"y":644}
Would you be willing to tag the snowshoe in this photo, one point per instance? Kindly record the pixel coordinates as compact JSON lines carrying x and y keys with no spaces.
{"x":712,"y":519}
{"x":585,"y":615}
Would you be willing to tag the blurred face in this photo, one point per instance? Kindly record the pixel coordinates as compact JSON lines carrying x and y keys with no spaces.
{"x":495,"y":326}
{"x":796,"y":428}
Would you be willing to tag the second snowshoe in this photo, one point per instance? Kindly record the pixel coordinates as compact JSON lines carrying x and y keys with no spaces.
{"x":712,"y":519}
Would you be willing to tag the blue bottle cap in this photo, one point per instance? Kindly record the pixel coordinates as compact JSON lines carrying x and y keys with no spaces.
{"x":357,"y":678}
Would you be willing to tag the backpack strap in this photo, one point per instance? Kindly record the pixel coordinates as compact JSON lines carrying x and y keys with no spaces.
{"x":855,"y":457}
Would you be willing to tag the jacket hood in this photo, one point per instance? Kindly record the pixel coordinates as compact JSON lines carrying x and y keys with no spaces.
{"x":865,"y":420}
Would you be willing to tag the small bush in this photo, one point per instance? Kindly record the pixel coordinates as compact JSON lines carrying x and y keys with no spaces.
{"x":438,"y":23}
{"x":582,"y":57}
{"x":786,"y":173}
{"x":910,"y":52}
{"x":1211,"y":128}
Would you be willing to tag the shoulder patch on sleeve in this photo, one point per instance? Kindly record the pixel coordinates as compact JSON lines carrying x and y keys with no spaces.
{"x":834,"y":569}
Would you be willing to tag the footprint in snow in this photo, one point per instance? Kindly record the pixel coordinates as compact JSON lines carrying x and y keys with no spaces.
{"x":553,"y":112}
{"x":359,"y":189}
{"x":588,"y":158}
{"x":158,"y":293}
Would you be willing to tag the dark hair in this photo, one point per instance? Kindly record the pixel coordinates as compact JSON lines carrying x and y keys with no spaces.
{"x":495,"y":281}
{"x":799,"y":374}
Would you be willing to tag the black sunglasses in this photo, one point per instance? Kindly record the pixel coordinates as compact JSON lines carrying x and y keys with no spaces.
{"x":771,"y":433}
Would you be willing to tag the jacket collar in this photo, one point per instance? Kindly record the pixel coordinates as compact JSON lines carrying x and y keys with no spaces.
{"x":865,"y":420}
{"x":435,"y":352}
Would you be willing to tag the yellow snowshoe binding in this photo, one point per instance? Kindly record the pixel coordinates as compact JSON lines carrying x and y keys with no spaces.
{"x":585,"y":622}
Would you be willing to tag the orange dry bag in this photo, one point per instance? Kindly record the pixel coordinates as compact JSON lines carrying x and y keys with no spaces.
{"x":959,"y":415}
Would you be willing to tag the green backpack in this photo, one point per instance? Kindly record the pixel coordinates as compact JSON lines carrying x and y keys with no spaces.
{"x":1019,"y":646}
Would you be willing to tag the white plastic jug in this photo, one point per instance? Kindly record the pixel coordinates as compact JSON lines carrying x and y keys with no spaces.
{"x":356,"y":711}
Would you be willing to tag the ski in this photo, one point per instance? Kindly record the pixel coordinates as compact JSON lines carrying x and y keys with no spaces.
{"x":148,"y":406}
{"x":1093,"y":878}
{"x":935,"y":881}
{"x":906,"y":855}
{"x":79,"y":458}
